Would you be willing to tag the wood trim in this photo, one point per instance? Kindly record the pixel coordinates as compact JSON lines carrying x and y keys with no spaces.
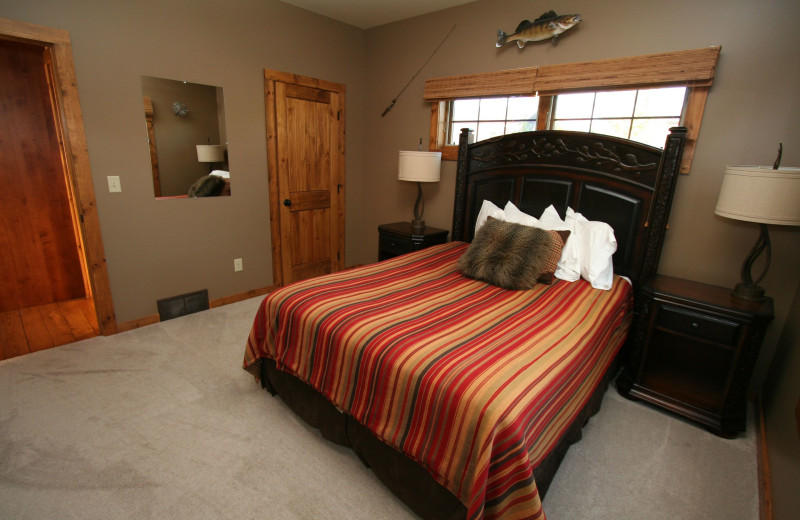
{"x":138,"y":323}
{"x":225,"y":300}
{"x":695,"y":67}
{"x":272,"y":174}
{"x":692,"y":118}
{"x":149,"y":115}
{"x":545,"y":112}
{"x":338,"y":202}
{"x":498,"y":83}
{"x":77,"y":158}
{"x":438,"y":121}
{"x":55,"y":103}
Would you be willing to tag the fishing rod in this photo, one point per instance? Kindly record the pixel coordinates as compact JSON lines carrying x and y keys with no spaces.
{"x":418,"y":71}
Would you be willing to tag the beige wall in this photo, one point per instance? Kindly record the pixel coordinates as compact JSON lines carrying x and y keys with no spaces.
{"x":782,"y":396}
{"x":743,"y":124}
{"x":156,"y":249}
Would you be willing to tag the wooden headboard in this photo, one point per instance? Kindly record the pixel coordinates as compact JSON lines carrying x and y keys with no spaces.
{"x":627,"y":184}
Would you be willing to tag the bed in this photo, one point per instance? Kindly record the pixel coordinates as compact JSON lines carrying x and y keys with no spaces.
{"x":463,"y":396}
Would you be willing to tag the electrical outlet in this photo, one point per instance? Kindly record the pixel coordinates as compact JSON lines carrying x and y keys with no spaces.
{"x":237,"y":264}
{"x":114,"y":185}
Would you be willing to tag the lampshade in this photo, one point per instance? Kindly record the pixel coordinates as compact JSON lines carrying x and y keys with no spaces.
{"x":210,"y":153}
{"x":760,"y":194}
{"x":419,"y":166}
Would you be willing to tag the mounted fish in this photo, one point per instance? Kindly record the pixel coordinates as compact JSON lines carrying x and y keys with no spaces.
{"x":549,"y":25}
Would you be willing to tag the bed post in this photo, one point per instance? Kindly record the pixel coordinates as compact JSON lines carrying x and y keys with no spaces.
{"x":461,"y":186}
{"x":662,"y":201}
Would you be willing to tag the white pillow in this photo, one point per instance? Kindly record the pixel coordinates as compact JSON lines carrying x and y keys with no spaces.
{"x":488,"y":209}
{"x":569,"y":266}
{"x":517,"y":216}
{"x":597,"y":244}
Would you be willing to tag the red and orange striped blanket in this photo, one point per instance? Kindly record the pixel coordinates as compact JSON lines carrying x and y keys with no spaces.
{"x":474,"y":382}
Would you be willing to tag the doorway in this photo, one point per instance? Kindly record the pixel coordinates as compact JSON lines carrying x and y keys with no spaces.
{"x":56,"y":289}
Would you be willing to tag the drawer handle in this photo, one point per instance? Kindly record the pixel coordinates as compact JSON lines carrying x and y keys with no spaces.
{"x":695,"y":325}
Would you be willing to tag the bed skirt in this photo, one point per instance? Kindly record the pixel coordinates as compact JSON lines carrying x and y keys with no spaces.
{"x":410,"y":482}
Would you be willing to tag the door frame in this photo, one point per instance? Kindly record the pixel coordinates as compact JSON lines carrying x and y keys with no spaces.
{"x":76,"y":158}
{"x":338,"y":162}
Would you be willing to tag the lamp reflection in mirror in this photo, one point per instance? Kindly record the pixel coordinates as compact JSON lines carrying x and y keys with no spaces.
{"x":210,"y":153}
{"x":764,"y":195}
{"x":419,"y":167}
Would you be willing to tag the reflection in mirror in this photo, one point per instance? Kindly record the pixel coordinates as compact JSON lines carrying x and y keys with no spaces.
{"x":187,"y":137}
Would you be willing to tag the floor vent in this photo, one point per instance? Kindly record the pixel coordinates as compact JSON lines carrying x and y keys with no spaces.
{"x":182,"y":305}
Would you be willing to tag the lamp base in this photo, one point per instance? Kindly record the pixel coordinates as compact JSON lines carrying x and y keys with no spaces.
{"x":748,"y":289}
{"x":749,"y":292}
{"x":417,"y":227}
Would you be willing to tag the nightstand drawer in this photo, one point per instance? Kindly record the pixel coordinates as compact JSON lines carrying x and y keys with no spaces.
{"x":698,"y":325}
{"x":394,"y":245}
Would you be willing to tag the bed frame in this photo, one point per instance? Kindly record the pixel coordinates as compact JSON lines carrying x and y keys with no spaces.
{"x":626,"y":184}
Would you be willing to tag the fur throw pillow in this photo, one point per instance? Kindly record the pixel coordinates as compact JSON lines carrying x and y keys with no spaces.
{"x":508,"y":255}
{"x":207,"y":186}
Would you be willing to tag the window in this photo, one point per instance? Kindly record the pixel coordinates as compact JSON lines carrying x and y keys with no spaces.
{"x":493,"y":116}
{"x":588,"y":94}
{"x":643,"y":115}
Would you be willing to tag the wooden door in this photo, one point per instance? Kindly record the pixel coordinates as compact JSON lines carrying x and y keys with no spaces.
{"x":40,"y":257}
{"x":305,"y":145}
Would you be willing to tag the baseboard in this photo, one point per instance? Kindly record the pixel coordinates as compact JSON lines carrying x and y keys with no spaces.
{"x":219,"y":302}
{"x":241,"y":296}
{"x":135,"y":324}
{"x":764,"y":479}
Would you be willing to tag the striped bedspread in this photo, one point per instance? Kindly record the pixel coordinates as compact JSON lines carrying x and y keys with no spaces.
{"x":474,"y":382}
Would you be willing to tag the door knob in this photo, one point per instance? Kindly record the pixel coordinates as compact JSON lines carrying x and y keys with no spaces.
{"x":287,"y":202}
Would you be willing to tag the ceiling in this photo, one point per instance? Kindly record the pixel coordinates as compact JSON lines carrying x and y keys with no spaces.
{"x":370,"y":13}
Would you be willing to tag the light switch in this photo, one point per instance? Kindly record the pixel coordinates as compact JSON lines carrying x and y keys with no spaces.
{"x":114,"y":185}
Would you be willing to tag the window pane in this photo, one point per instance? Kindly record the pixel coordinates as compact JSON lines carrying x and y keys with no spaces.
{"x":572,"y":106}
{"x":660,"y":102}
{"x":523,"y":107}
{"x":493,"y":109}
{"x":512,"y":127}
{"x":465,"y":109}
{"x":652,"y":131}
{"x":577,"y":125}
{"x":487,"y":130}
{"x":615,"y":127}
{"x":455,"y":130}
{"x":614,"y":104}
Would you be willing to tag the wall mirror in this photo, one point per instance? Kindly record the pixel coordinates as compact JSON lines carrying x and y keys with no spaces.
{"x":187,"y":138}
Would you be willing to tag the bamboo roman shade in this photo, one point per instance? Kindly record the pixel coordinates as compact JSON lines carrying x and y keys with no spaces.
{"x":693,"y":68}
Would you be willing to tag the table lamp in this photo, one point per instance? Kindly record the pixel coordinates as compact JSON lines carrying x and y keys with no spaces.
{"x":419,"y":167}
{"x":210,"y":153}
{"x":762,"y":194}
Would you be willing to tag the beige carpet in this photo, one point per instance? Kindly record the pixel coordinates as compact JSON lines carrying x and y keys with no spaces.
{"x":162,"y":423}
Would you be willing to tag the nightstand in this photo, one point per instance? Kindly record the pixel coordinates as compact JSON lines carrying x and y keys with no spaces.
{"x":397,"y":239}
{"x":693,"y":351}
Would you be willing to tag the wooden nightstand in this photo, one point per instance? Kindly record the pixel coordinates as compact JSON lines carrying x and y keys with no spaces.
{"x":693,"y":350}
{"x":397,"y":239}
